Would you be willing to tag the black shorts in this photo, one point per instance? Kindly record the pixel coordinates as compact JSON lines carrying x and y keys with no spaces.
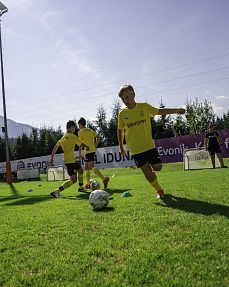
{"x":90,"y":157}
{"x":151,"y":156}
{"x":72,"y":168}
{"x":214,"y":149}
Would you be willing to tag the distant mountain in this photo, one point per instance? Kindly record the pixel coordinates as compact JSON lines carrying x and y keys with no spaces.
{"x":14,"y":129}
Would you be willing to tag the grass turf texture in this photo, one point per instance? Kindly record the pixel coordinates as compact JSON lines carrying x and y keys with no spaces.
{"x":136,"y":241}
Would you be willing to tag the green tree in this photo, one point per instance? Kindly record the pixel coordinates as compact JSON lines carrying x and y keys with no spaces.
{"x":35,"y":139}
{"x":42,"y":142}
{"x":179,"y":126}
{"x":199,"y":115}
{"x":52,"y":137}
{"x":162,"y":126}
{"x":223,"y":122}
{"x":102,"y":125}
{"x":91,"y":125}
{"x":24,"y":147}
{"x":112,"y":138}
{"x":46,"y":140}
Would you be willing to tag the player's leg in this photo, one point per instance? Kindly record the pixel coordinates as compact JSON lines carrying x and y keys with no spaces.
{"x":213,"y":160}
{"x":87,"y":174}
{"x":157,"y":166}
{"x":148,"y":162}
{"x":80,"y":171}
{"x":218,"y":153}
{"x":155,"y":161}
{"x":73,"y":179}
{"x":220,"y":157}
{"x":96,"y":171}
{"x":89,"y":160}
{"x":152,"y":179}
{"x":212,"y":156}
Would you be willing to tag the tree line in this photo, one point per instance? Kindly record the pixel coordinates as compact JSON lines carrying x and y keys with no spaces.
{"x":41,"y":141}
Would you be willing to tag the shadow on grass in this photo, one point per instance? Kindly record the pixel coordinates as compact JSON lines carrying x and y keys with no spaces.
{"x":194,"y":206}
{"x":14,"y":191}
{"x":115,"y":190}
{"x":83,"y":195}
{"x":7,"y":198}
{"x":86,"y":194}
{"x":14,"y":194}
{"x":107,"y":209}
{"x":24,"y":200}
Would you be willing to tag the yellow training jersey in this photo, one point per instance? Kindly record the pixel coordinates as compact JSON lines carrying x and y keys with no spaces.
{"x":137,"y":124}
{"x":68,"y":142}
{"x":87,"y":136}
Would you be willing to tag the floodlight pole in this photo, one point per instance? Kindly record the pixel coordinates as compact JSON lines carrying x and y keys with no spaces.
{"x":3,"y":9}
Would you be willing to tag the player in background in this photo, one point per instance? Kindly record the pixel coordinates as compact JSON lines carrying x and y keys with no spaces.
{"x":91,"y":139}
{"x":134,"y":123}
{"x":212,"y":144}
{"x":68,"y":143}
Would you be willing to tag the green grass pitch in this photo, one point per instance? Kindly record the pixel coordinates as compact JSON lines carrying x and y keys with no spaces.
{"x":137,"y":241}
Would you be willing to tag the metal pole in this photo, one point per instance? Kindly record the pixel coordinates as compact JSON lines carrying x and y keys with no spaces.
{"x":8,"y":164}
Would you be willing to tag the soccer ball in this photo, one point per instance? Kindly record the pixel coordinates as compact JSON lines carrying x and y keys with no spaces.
{"x":98,"y":199}
{"x":94,"y":185}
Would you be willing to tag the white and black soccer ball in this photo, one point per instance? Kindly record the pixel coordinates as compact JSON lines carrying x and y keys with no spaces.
{"x":94,"y":185}
{"x":98,"y":199}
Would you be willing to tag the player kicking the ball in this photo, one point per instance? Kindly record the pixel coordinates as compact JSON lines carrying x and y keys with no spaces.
{"x":91,"y":139}
{"x":135,"y":121}
{"x":68,"y":143}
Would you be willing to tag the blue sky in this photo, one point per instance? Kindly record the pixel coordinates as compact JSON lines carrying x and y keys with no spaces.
{"x":63,"y":59}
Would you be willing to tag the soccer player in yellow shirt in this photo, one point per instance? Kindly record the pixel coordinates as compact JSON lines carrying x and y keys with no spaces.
{"x":68,"y":143}
{"x":91,"y":139}
{"x":134,"y":122}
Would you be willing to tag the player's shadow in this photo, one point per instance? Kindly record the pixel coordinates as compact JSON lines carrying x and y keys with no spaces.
{"x":194,"y":206}
{"x":14,"y":194}
{"x":28,"y":200}
{"x":115,"y":190}
{"x":83,"y":195}
{"x":7,"y":198}
{"x":86,"y":194}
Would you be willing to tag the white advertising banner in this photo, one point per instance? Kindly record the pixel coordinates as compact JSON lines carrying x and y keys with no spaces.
{"x":25,"y":174}
{"x":169,"y":149}
{"x":107,"y":157}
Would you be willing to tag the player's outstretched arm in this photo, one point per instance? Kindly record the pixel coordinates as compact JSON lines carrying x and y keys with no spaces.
{"x":53,"y":153}
{"x":163,"y":112}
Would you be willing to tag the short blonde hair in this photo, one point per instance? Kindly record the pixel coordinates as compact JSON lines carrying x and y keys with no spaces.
{"x":125,"y":88}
